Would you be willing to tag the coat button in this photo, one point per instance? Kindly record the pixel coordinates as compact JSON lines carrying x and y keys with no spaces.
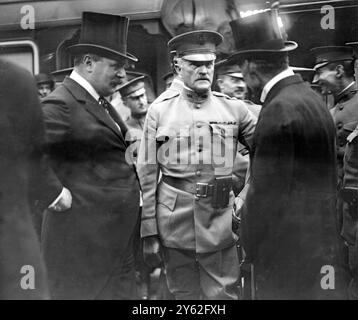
{"x":196,"y":198}
{"x":341,"y":107}
{"x":198,"y":173}
{"x":339,"y":125}
{"x":199,"y":125}
{"x":342,"y":144}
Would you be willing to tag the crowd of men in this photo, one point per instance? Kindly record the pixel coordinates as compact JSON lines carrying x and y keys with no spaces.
{"x":222,"y":195}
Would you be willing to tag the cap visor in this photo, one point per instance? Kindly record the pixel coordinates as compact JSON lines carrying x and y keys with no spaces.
{"x":200,"y":57}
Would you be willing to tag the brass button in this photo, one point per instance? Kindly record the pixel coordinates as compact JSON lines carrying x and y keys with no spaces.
{"x":199,"y":125}
{"x":341,"y":107}
{"x":339,"y":125}
{"x":198,"y":173}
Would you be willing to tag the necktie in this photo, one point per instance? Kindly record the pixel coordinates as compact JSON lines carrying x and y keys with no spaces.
{"x":113,"y":115}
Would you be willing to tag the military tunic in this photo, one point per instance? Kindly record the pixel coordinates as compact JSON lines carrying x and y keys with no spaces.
{"x":350,"y":225}
{"x":190,"y":123}
{"x":345,"y":111}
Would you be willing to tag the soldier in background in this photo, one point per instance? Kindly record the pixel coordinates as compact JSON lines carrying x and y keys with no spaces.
{"x":335,"y":75}
{"x":349,"y":192}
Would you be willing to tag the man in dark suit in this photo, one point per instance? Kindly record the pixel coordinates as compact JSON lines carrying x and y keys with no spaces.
{"x":22,"y":271}
{"x":88,"y":247}
{"x":288,"y":226}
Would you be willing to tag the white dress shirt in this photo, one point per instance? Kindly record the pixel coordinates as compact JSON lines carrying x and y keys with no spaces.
{"x":269,"y":85}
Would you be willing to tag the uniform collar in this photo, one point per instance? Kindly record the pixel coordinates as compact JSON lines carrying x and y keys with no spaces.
{"x":192,"y":96}
{"x":269,"y":85}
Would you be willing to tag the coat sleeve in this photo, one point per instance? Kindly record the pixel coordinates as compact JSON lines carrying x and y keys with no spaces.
{"x":44,"y":185}
{"x":148,"y":170}
{"x":247,"y":128}
{"x":271,"y":174}
{"x":56,"y":124}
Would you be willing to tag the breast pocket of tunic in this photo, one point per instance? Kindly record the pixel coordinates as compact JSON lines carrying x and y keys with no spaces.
{"x":224,"y":144}
{"x":173,"y":146}
{"x":351,"y":151}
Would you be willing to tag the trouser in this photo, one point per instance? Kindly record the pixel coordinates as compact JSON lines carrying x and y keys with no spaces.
{"x":194,"y":276}
{"x":121,"y":284}
{"x":353,"y":266}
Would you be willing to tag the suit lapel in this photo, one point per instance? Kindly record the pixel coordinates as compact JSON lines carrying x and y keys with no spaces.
{"x":91,"y":105}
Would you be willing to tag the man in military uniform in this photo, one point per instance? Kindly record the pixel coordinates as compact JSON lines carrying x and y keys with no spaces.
{"x":230,"y":80}
{"x":135,"y":98}
{"x":188,"y":216}
{"x":335,"y":75}
{"x":349,"y":192}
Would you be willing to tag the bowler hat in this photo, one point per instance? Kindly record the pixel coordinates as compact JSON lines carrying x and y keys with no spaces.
{"x":42,"y":78}
{"x":198,"y":45}
{"x":260,"y":33}
{"x":328,"y":54}
{"x":226,"y":67}
{"x":103,"y":34}
{"x":354,"y":46}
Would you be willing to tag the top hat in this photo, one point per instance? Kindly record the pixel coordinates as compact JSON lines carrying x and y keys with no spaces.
{"x":42,"y":78}
{"x":103,"y":34}
{"x":260,"y":33}
{"x":226,"y":67}
{"x":306,"y":73}
{"x":354,"y":46}
{"x":133,"y":88}
{"x":328,"y":54}
{"x":198,"y":45}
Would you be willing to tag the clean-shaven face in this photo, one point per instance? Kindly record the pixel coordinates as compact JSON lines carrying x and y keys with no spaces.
{"x":197,"y":75}
{"x":138,"y":104}
{"x":44,"y":89}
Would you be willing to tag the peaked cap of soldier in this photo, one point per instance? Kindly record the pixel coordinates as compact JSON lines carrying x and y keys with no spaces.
{"x":198,"y":45}
{"x":133,"y":88}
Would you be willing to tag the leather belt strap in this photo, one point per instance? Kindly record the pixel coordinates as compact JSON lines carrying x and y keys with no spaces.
{"x":200,"y":189}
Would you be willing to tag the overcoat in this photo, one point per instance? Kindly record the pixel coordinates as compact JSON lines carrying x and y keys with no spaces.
{"x":289,"y":227}
{"x":83,"y":245}
{"x":21,"y":131}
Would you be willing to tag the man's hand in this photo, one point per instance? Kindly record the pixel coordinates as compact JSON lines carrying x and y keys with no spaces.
{"x":236,"y":215}
{"x":64,"y":202}
{"x":151,"y":251}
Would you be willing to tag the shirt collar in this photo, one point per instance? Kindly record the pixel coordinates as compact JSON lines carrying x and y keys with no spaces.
{"x":85,"y":84}
{"x":269,"y":85}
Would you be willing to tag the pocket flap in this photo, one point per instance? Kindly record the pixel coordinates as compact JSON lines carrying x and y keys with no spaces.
{"x":167,"y":198}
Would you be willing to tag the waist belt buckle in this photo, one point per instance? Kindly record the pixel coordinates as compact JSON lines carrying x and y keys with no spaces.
{"x":201,"y":190}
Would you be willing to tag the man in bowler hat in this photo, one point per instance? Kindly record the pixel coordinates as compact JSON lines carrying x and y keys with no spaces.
{"x":88,"y":245}
{"x":288,"y":220}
